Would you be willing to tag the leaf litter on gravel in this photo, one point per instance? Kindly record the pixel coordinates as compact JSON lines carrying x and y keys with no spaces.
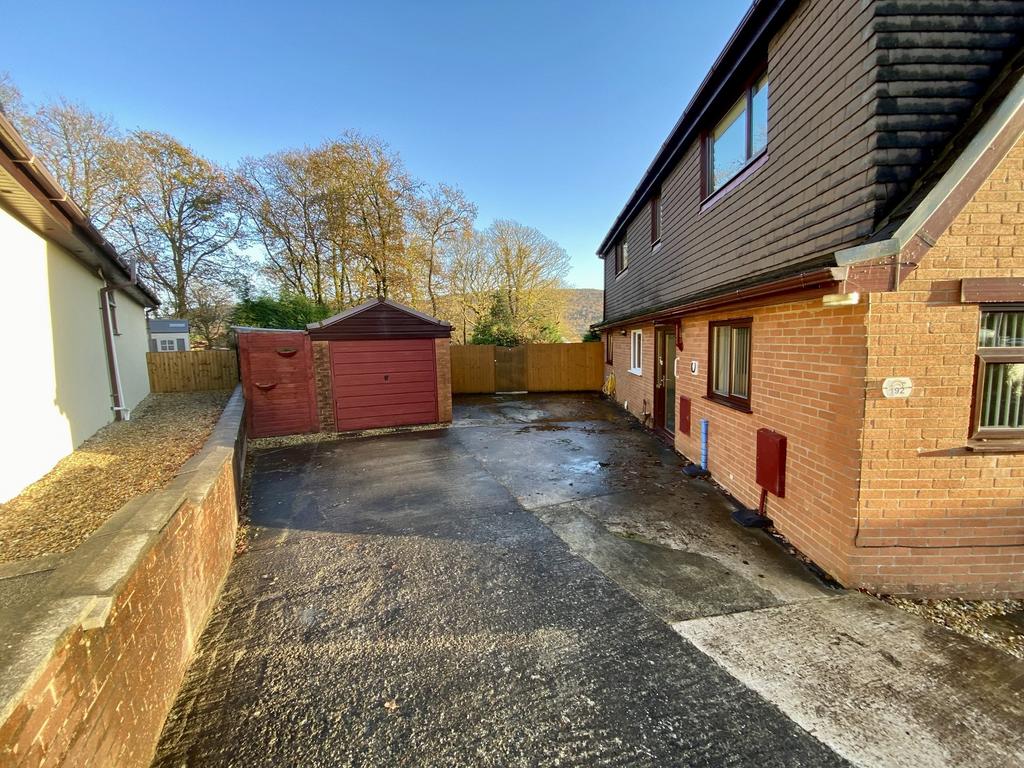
{"x":121,"y":461}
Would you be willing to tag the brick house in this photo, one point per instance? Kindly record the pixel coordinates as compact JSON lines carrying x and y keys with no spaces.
{"x":830,"y":245}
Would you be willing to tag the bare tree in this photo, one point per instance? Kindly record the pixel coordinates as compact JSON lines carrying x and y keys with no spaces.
{"x":443,"y":216}
{"x":11,"y":105}
{"x":469,"y":283}
{"x":179,"y":216}
{"x":82,"y":149}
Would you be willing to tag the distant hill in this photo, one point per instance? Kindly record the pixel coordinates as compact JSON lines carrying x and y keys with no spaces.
{"x":584,"y":306}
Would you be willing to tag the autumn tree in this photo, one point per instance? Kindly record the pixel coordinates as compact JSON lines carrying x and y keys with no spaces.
{"x":179,"y":216}
{"x":443,"y":216}
{"x":284,"y":210}
{"x":530,"y":271}
{"x":383,"y":193}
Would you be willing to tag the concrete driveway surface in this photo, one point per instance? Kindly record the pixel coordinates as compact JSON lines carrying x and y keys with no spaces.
{"x":539,"y":585}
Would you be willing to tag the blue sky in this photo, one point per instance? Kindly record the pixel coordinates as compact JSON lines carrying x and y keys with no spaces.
{"x":543,"y":112}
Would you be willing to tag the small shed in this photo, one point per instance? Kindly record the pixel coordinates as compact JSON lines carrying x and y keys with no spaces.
{"x":168,"y":335}
{"x":379,"y":364}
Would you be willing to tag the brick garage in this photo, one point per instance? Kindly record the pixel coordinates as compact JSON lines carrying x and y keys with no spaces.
{"x":886,"y":494}
{"x":379,"y":364}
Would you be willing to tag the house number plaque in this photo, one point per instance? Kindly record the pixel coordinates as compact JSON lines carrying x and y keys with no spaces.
{"x":897,"y":387}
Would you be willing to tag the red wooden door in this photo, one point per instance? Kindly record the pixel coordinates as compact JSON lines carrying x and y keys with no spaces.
{"x":277,"y":378}
{"x":382,"y":383}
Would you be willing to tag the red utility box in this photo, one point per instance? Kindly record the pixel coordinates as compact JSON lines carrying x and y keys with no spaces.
{"x":771,"y":461}
{"x":684,"y":415}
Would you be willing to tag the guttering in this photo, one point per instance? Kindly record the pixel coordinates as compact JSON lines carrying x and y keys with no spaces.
{"x":823,"y":279}
{"x":33,"y":176}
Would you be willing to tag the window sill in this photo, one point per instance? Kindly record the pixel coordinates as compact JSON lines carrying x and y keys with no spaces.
{"x":741,"y":176}
{"x":1010,"y":445}
{"x":656,"y":246}
{"x":635,"y":371}
{"x":620,"y":274}
{"x":728,"y":404}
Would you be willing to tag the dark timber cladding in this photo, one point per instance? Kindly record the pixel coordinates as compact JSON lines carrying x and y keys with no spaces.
{"x":862,"y":98}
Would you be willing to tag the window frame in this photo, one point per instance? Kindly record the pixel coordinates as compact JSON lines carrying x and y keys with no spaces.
{"x":707,"y":166}
{"x":621,"y":250}
{"x":636,"y":351}
{"x":656,"y":218}
{"x":172,"y":342}
{"x":609,"y":348}
{"x":733,"y":401}
{"x":983,"y":356}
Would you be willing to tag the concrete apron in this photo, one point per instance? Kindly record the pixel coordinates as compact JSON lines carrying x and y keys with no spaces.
{"x":878,"y":686}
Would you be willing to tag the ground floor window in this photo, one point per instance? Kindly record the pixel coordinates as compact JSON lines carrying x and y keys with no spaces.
{"x":636,"y":351}
{"x":999,"y":384}
{"x":608,"y":356}
{"x":167,"y":345}
{"x":729,"y":355}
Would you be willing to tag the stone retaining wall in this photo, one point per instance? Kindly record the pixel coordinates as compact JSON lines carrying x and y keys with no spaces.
{"x":96,"y":663}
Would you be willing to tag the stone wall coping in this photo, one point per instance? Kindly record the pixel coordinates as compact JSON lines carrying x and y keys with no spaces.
{"x":81,"y":591}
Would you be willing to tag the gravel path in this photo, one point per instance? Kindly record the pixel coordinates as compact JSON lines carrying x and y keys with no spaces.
{"x":121,"y":461}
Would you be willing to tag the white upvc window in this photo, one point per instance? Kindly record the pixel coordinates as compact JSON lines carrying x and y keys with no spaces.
{"x":168,"y":345}
{"x":636,"y":352}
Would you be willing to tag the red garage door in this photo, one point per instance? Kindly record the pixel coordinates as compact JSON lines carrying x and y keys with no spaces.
{"x":383,"y":383}
{"x":277,"y":377}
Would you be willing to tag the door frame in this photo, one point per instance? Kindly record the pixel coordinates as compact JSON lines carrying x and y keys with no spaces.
{"x":660,"y":375}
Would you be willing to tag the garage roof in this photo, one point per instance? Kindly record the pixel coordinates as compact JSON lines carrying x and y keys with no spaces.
{"x":379,"y":319}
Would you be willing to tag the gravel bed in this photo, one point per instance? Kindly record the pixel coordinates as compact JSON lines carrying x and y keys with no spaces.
{"x":121,"y":461}
{"x":998,"y":623}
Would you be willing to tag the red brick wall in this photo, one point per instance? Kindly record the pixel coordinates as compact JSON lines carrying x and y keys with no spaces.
{"x":102,"y":697}
{"x":933,"y":516}
{"x":807,"y":365}
{"x":324,"y":384}
{"x":443,"y":368}
{"x":631,"y":389}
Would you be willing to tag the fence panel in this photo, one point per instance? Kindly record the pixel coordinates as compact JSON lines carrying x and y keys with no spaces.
{"x":472,"y":368}
{"x":193,"y":371}
{"x":575,"y":367}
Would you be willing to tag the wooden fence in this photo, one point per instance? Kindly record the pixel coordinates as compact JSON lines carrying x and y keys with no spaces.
{"x":575,"y":367}
{"x":194,"y":371}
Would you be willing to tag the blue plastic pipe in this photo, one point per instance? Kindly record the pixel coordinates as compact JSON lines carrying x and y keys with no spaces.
{"x":704,"y":444}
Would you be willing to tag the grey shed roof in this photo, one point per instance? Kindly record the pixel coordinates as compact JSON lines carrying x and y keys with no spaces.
{"x":168,"y":326}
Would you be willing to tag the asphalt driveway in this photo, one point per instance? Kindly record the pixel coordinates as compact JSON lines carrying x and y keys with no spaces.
{"x":404,"y":603}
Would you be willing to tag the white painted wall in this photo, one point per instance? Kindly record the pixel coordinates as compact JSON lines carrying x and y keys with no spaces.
{"x":54,"y":391}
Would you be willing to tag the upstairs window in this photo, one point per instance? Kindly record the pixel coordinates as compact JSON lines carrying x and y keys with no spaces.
{"x":739,"y":137}
{"x":621,"y":256}
{"x":999,"y":385}
{"x":656,"y":218}
{"x":729,"y":344}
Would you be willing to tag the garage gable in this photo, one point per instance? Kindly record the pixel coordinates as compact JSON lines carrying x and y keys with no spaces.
{"x":379,"y":319}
